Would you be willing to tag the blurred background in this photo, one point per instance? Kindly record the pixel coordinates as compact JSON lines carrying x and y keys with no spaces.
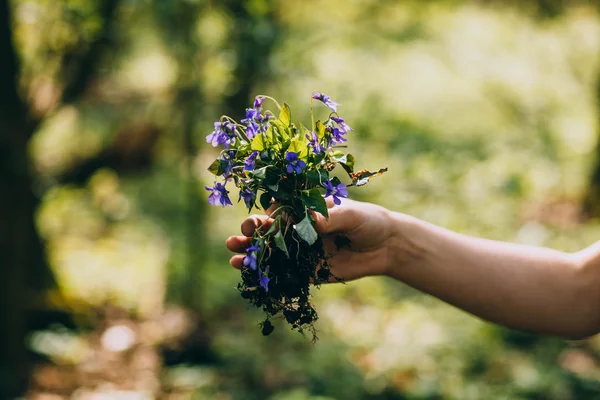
{"x":115,"y":281}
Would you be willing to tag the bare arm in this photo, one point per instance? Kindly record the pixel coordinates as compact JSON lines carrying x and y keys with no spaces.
{"x":524,"y":287}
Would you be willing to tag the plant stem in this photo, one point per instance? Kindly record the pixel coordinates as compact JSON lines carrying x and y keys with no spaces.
{"x":270,"y":98}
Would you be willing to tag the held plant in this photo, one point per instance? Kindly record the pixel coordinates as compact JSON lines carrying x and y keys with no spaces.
{"x":284,"y":167}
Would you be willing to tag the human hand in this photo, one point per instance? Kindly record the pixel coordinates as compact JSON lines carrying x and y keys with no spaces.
{"x":368,"y":226}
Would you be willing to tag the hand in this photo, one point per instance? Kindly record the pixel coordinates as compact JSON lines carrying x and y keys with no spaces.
{"x":368,"y":226}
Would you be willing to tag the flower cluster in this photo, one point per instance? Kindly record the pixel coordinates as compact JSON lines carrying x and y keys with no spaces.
{"x":281,"y":165}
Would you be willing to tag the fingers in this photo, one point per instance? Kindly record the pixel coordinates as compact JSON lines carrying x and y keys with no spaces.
{"x":238,"y":244}
{"x":236,"y":261}
{"x":342,"y":218}
{"x":254,"y":222}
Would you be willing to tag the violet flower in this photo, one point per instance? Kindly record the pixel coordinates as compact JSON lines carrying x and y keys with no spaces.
{"x":229,"y":157}
{"x":218,"y":195}
{"x":224,"y":134}
{"x":326,"y":100}
{"x":248,"y":196}
{"x":344,"y":127}
{"x":264,"y":279}
{"x":295,"y":164}
{"x":313,"y":141}
{"x":251,"y":258}
{"x":337,"y":136}
{"x":258,"y":101}
{"x":336,"y":191}
{"x":251,"y":161}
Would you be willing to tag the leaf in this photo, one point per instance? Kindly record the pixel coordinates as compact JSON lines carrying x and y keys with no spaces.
{"x":260,"y":173}
{"x":306,"y":231}
{"x":299,"y":147}
{"x":217,"y":167}
{"x":317,"y":177}
{"x":280,"y":128}
{"x":258,"y":142}
{"x":285,"y":115}
{"x":314,"y":201}
{"x":349,"y":164}
{"x":265,"y":200}
{"x":361,"y":178}
{"x":269,"y":177}
{"x":274,"y":225}
{"x":345,"y":160}
{"x":280,"y":242}
{"x":320,"y":127}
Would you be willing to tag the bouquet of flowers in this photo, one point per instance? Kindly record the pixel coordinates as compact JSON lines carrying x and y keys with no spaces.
{"x":284,"y":168}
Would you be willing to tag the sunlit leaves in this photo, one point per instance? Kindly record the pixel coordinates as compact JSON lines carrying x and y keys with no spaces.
{"x":285,"y":116}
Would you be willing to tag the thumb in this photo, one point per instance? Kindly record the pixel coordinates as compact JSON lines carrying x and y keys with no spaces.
{"x":342,"y":218}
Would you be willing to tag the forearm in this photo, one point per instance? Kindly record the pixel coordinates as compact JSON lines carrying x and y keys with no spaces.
{"x":523,"y":287}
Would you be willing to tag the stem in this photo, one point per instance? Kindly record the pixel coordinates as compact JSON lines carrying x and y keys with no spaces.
{"x":240,"y":132}
{"x":312,"y":117}
{"x":270,"y":98}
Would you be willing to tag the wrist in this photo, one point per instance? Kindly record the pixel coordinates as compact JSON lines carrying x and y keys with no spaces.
{"x":404,"y":249}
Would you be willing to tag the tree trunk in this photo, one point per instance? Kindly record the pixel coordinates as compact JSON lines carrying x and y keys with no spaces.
{"x":591,"y":201}
{"x":24,"y":271}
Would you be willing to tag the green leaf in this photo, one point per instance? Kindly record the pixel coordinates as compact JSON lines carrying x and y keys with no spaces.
{"x":278,"y":128}
{"x":260,"y":173}
{"x":338,"y":156}
{"x":217,"y":167}
{"x":320,"y":128}
{"x":314,"y":201}
{"x":269,"y":177}
{"x":317,"y":177}
{"x":280,"y":242}
{"x":272,"y":181}
{"x":265,"y":200}
{"x":273,"y":227}
{"x":258,"y":143}
{"x":349,"y":164}
{"x":345,"y":160}
{"x":285,"y":115}
{"x":306,"y":231}
{"x":299,"y":147}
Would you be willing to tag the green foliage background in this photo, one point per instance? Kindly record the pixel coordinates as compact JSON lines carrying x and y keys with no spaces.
{"x":485,"y":114}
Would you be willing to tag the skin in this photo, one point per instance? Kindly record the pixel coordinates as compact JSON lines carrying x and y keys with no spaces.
{"x":529,"y":288}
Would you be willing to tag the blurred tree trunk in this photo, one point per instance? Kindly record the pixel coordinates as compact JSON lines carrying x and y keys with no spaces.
{"x":26,"y":276}
{"x":255,"y":33}
{"x":24,"y":271}
{"x":591,"y":200}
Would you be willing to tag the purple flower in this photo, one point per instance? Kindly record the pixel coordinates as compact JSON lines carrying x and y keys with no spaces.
{"x":337,"y":136}
{"x":264,"y":279}
{"x":342,"y":124}
{"x":251,"y":258}
{"x":251,"y":113}
{"x":313,"y":141}
{"x":336,"y":191}
{"x":252,"y":129}
{"x":249,"y":196}
{"x":224,"y":134}
{"x":326,"y":100}
{"x":295,"y":164}
{"x":255,"y":122}
{"x":229,"y":157}
{"x":258,"y":101}
{"x":250,"y":161}
{"x":218,"y":195}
